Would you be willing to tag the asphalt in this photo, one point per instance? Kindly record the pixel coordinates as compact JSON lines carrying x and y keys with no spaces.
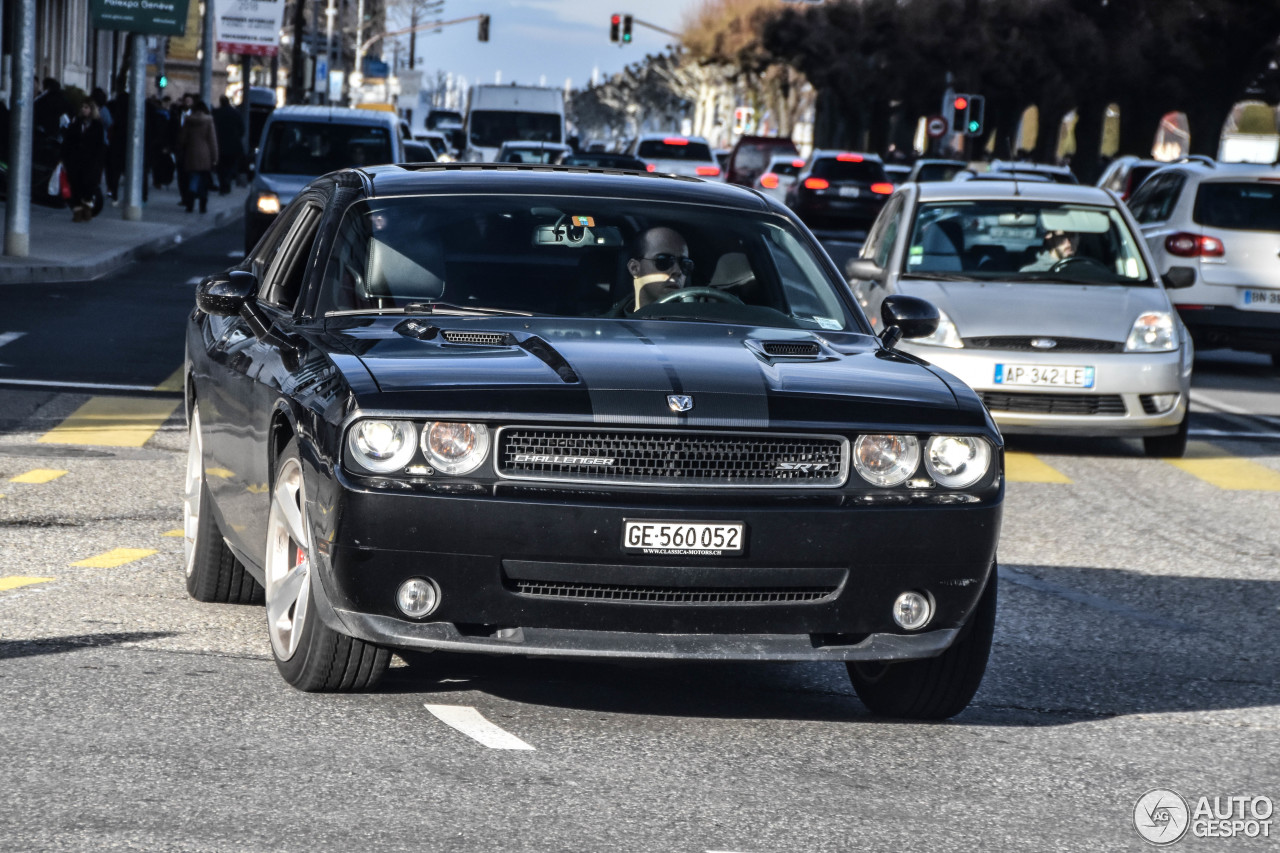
{"x":62,"y":250}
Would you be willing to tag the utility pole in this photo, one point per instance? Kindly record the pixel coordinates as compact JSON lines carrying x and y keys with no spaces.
{"x":206,"y":55}
{"x":315,"y":52}
{"x":297,"y":87}
{"x":17,"y":214}
{"x":137,"y":128}
{"x":329,"y":14}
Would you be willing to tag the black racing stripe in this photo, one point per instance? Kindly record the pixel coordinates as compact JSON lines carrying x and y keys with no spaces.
{"x":673,"y":375}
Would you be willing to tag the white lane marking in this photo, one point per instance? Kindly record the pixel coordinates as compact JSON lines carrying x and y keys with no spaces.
{"x":1224,"y":433}
{"x":472,"y":723}
{"x":88,"y":386}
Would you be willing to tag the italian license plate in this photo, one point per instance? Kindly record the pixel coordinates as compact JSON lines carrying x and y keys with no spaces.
{"x":850,"y":192}
{"x":1052,"y":376}
{"x":694,"y":538}
{"x":1260,"y":300}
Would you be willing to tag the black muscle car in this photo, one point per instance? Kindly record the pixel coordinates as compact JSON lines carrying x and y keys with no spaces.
{"x":577,"y":412}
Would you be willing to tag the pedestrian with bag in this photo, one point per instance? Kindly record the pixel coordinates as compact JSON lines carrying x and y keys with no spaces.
{"x":84,"y":153}
{"x":197,"y":155}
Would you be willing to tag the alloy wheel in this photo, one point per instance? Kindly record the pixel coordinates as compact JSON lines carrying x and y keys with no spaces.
{"x":288,"y":564}
{"x":193,"y":489}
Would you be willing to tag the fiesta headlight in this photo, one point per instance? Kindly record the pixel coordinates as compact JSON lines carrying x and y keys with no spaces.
{"x":455,"y":448}
{"x":268,"y":203}
{"x":946,"y":335}
{"x":381,"y":446}
{"x":1153,"y":331}
{"x":886,"y":460}
{"x":956,"y":461}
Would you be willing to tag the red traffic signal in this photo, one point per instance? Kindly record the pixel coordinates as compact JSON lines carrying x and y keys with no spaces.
{"x":615,"y":24}
{"x":961,"y":103}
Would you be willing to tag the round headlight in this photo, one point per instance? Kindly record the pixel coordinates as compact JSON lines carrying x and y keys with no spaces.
{"x":956,"y":461}
{"x":886,"y":460}
{"x":381,"y":446}
{"x":455,"y":448}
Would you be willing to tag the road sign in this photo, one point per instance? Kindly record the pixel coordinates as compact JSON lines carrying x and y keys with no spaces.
{"x":936,"y":127}
{"x":249,"y":26}
{"x":159,"y":17}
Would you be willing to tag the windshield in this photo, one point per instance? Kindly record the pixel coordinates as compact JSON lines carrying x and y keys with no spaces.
{"x":1039,"y":241}
{"x":577,"y":257}
{"x":1244,"y":206}
{"x":491,"y":128}
{"x":316,"y":148}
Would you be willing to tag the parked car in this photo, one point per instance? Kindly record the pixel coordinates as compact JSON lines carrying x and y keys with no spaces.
{"x":780,"y":175}
{"x":604,"y":160}
{"x":840,"y":190}
{"x":417,"y":421}
{"x":1125,"y":174}
{"x":751,"y":155}
{"x":929,"y":169}
{"x":302,"y":142}
{"x":1051,"y":306}
{"x":532,"y":152}
{"x":675,"y":155}
{"x":1223,"y":222}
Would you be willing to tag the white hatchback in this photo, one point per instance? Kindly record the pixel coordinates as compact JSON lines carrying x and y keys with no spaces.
{"x":676,"y":155}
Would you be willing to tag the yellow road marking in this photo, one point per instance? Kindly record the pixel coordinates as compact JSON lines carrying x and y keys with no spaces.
{"x":113,"y":422}
{"x":15,"y":581}
{"x":173,"y":383}
{"x":38,"y":475}
{"x":1027,"y":468}
{"x":1215,"y":466}
{"x":220,"y":473}
{"x":258,"y":489}
{"x":114,"y":557}
{"x":178,"y":532}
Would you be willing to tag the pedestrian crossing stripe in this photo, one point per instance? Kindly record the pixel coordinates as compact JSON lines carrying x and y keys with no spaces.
{"x":174,"y":533}
{"x":113,"y":558}
{"x":113,"y":422}
{"x":15,"y":581}
{"x":1217,"y":467}
{"x":1027,"y":468}
{"x":38,"y":475}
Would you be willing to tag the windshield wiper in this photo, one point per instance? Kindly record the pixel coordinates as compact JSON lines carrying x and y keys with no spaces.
{"x":434,"y":308}
{"x":940,"y":276}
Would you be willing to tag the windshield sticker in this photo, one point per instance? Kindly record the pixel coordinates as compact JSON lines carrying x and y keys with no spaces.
{"x":584,"y":221}
{"x":829,"y":323}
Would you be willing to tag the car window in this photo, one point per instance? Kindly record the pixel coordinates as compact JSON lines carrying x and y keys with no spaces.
{"x":1019,"y":240}
{"x":316,"y":148}
{"x":283,"y":280}
{"x":879,"y":244}
{"x":1244,"y":206}
{"x":889,"y":237}
{"x":865,"y":171}
{"x":789,"y":167}
{"x":1155,"y":199}
{"x":565,"y":256}
{"x":674,"y":149}
{"x":269,"y":245}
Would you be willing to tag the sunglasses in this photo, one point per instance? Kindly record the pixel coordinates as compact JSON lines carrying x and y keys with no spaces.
{"x":664,"y":262}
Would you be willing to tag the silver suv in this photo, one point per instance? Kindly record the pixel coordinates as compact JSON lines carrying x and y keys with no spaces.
{"x":1222,"y":221}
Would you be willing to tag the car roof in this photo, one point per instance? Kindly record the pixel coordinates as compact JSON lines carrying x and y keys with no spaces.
{"x":1222,"y":171}
{"x":1000,"y":190}
{"x":1026,"y":166}
{"x":648,"y":137}
{"x":533,"y":143}
{"x":335,"y":115}
{"x":532,"y":179}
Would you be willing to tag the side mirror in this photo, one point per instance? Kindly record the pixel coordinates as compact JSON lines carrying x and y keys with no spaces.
{"x":1179,"y":277}
{"x":907,"y":317}
{"x":863,"y":269}
{"x":225,"y":294}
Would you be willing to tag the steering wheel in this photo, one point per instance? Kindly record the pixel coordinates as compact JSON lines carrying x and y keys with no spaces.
{"x":1076,"y":260}
{"x":688,"y":294}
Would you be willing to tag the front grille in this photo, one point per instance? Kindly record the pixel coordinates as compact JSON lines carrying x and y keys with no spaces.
{"x":1054,"y":404}
{"x":480,"y":339}
{"x":791,"y":350}
{"x":639,"y":457}
{"x":1022,"y":343}
{"x":673,"y":595}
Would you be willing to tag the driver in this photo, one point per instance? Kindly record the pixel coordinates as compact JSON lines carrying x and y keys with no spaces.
{"x":660,"y":266}
{"x":1058,"y":246}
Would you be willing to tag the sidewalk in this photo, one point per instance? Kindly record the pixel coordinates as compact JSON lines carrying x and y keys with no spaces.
{"x":62,"y":250}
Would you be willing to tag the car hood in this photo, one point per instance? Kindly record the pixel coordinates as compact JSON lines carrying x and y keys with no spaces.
{"x":619,"y":371}
{"x":986,"y":309}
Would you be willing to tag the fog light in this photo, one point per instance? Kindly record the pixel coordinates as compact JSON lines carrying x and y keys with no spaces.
{"x":912,"y":610}
{"x":1163,"y":402}
{"x":417,"y":597}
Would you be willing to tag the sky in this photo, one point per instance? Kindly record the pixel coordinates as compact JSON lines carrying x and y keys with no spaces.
{"x":533,"y":42}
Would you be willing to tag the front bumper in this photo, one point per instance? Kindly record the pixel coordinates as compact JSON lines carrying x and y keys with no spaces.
{"x":1128,"y":376}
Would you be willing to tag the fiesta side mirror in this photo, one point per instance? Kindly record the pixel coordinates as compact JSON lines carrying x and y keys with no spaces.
{"x":225,"y":294}
{"x":863,"y":269}
{"x":907,"y":317}
{"x":1179,"y":277}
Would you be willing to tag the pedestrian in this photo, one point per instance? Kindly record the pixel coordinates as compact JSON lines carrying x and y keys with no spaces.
{"x":177,"y":118}
{"x":197,"y":155}
{"x":84,"y":149}
{"x":117,"y":144}
{"x":159,"y":141}
{"x":50,"y":110}
{"x":230,"y":131}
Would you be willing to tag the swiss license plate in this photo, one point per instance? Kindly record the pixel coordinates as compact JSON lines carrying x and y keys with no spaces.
{"x":694,"y":538}
{"x":1053,"y":376}
{"x":849,"y":192}
{"x":1260,"y":300}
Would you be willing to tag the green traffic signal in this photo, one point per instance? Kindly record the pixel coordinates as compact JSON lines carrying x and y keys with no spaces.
{"x":974,"y":127}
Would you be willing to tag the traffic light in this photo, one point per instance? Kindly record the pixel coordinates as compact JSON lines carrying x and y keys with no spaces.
{"x":960,"y":113}
{"x":626,"y":29}
{"x":975,"y":120}
{"x":483,"y":35}
{"x":615,"y":23}
{"x":161,"y":81}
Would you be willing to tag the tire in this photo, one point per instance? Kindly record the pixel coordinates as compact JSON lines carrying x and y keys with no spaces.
{"x":213,"y":573}
{"x":1169,"y":446}
{"x":310,"y":655}
{"x":934,"y":688}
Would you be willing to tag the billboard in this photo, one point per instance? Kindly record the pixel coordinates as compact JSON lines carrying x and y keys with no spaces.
{"x":154,"y":17}
{"x":249,"y":26}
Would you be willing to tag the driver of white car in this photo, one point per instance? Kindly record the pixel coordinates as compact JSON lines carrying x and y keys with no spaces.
{"x":1058,"y":246}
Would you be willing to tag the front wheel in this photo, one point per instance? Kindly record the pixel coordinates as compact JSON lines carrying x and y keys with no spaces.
{"x":310,"y":655}
{"x":1169,"y":446}
{"x":934,"y":688}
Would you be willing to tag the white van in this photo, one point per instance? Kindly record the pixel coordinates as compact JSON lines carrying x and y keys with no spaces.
{"x":498,"y":114}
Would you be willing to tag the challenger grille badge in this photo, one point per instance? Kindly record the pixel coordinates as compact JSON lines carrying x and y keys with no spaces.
{"x":679,"y":402}
{"x":1043,"y":343}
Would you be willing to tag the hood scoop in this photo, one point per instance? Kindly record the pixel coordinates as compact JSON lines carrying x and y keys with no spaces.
{"x":800,"y":350}
{"x":479,"y":339}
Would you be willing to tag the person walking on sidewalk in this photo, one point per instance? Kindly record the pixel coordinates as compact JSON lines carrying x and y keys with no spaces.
{"x":84,"y":152}
{"x":230,"y":127}
{"x":198,"y":154}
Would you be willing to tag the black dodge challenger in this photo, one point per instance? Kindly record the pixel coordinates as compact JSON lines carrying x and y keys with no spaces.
{"x":576,"y":412}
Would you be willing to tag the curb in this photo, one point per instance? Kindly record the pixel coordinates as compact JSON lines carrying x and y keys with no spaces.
{"x":113,"y":260}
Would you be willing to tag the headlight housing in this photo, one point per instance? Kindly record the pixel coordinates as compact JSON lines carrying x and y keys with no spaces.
{"x":268,"y":203}
{"x":946,"y":335}
{"x":886,"y":460}
{"x":381,"y":446}
{"x":455,"y":448}
{"x":1153,"y":331}
{"x":956,"y":461}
